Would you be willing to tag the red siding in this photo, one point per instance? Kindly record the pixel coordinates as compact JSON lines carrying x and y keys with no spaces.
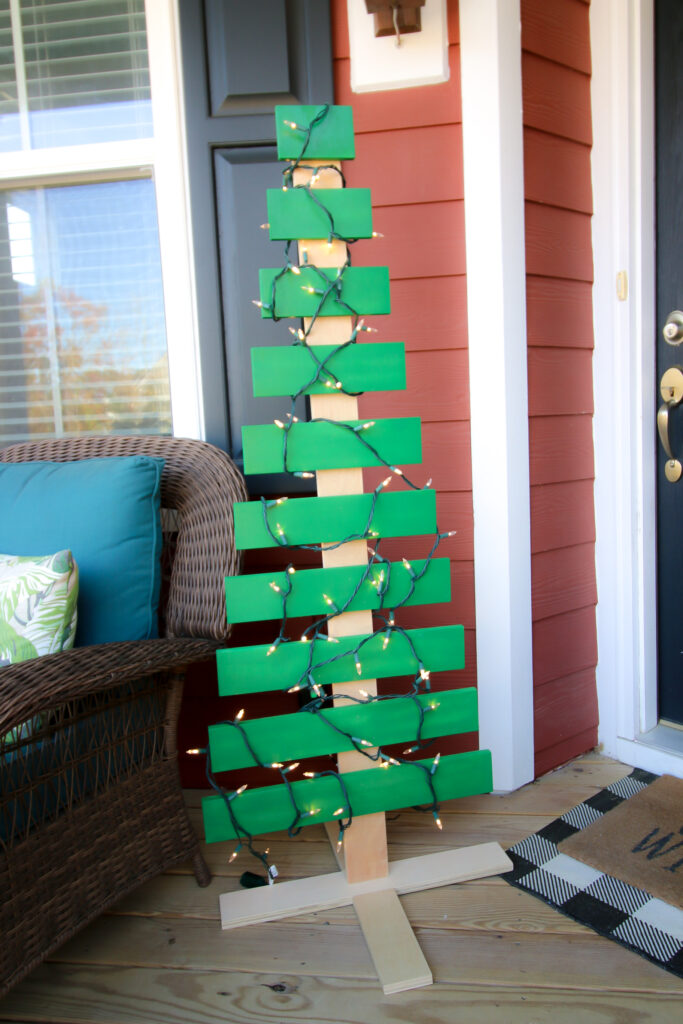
{"x":557,"y":137}
{"x":409,"y":152}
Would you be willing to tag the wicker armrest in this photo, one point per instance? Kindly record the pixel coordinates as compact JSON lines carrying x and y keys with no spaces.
{"x":32,"y":686}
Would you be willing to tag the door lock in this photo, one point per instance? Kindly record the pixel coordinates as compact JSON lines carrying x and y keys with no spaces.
{"x":673,"y":328}
{"x":671,"y":390}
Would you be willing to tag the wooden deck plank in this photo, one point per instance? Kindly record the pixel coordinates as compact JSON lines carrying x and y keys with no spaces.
{"x":111,"y":995}
{"x":584,"y":960}
{"x":498,"y":955}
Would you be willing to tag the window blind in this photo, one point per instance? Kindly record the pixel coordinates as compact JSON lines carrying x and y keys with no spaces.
{"x":82,"y":332}
{"x":73,"y":72}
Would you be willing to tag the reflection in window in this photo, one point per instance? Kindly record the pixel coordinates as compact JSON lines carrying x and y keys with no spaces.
{"x":82,"y":332}
{"x":72,"y":72}
{"x":20,"y":245}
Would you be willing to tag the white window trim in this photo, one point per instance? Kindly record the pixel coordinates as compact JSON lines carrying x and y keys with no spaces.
{"x":170,"y":178}
{"x":622,"y":92}
{"x":491,"y":80}
{"x":163,"y":159}
{"x":55,"y":165}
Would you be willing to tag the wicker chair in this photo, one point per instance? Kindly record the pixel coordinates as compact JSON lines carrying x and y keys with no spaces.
{"x":90,"y":801}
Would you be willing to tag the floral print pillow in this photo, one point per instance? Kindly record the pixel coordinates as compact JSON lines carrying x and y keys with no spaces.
{"x":37,"y":605}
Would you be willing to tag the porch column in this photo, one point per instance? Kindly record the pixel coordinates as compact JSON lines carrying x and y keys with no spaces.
{"x":491,"y":77}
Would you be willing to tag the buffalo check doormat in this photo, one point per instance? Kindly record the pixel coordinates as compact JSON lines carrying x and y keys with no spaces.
{"x":621,"y":912}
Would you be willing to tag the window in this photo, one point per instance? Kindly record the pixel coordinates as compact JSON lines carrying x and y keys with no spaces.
{"x":86,"y":289}
{"x":84,"y":345}
{"x":78,"y":72}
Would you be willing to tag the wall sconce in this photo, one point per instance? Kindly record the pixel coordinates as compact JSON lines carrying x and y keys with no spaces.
{"x":377,"y":63}
{"x":395,"y":17}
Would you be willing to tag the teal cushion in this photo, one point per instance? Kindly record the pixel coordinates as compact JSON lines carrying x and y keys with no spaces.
{"x":105,"y":511}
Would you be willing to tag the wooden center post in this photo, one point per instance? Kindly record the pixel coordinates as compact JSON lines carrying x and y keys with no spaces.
{"x":365,"y":842}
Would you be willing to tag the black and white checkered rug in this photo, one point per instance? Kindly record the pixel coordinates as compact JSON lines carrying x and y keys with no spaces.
{"x":619,"y":911}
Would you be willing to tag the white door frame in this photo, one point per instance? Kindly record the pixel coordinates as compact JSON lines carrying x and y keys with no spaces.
{"x":622,"y":93}
{"x":491,"y":83}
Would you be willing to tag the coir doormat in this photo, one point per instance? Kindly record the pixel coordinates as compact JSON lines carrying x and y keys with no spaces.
{"x":610,"y":905}
{"x":640,"y":841}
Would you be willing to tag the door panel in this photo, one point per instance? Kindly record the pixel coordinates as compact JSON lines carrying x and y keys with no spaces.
{"x":238,"y":61}
{"x":242,"y":177}
{"x":669,"y":268}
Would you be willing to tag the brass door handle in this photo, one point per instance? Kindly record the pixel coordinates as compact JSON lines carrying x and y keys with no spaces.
{"x":673,"y":468}
{"x":671,"y":389}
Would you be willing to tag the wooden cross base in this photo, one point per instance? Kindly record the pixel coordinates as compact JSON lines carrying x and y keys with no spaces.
{"x":395,"y":952}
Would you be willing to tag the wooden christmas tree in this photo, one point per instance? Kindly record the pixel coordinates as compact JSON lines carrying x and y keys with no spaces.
{"x":335,"y":664}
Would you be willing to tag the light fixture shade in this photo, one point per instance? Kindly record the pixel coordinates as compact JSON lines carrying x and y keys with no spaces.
{"x":395,"y":17}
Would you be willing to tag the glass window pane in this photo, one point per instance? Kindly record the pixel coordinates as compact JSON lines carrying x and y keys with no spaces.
{"x":73,"y":72}
{"x":82,"y":332}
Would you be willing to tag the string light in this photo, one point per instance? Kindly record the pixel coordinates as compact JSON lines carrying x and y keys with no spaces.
{"x":238,"y":792}
{"x":362,"y":743}
{"x":326,"y":285}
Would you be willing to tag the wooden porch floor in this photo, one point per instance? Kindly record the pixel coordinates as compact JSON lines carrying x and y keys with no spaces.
{"x":498,"y":955}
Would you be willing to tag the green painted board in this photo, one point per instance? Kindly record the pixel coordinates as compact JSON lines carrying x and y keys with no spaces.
{"x":293,"y":213}
{"x":322,"y":445}
{"x":364,"y":290}
{"x":269,"y":809}
{"x":380,"y":723}
{"x":327,"y":520}
{"x":251,"y":598}
{"x":331,"y":139}
{"x":288,"y":370}
{"x":252,"y":670}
